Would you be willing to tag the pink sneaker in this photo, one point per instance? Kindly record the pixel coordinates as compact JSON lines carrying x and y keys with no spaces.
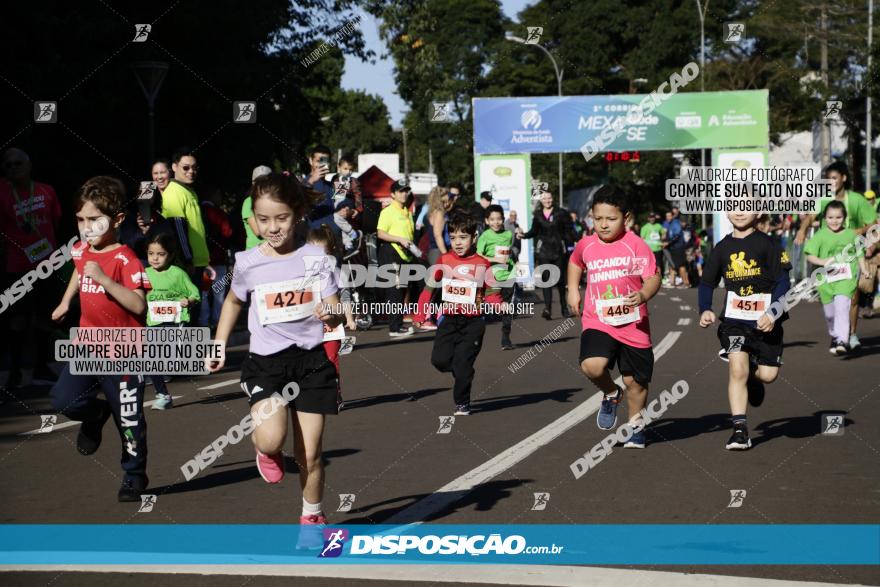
{"x":313,"y":520}
{"x":271,"y":467}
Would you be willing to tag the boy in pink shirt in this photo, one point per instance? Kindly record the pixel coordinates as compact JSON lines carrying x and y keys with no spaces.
{"x":621,"y":277}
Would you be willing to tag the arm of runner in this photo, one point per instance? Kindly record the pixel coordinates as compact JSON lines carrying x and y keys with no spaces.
{"x":324,"y":311}
{"x":130,"y":299}
{"x":806,"y":223}
{"x":817,"y":261}
{"x":573,"y":297}
{"x":650,"y":287}
{"x":228,"y":317}
{"x":72,"y":289}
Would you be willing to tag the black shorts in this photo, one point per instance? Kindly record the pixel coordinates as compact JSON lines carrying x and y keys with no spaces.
{"x":635,"y":362}
{"x":679,"y":259}
{"x":766,"y":347}
{"x":310,"y":369}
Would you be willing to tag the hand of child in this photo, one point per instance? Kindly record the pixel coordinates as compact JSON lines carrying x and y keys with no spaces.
{"x":214,"y":365}
{"x":574,"y":301}
{"x":210,"y":273}
{"x":323,"y":313}
{"x":636,"y":298}
{"x":765,"y":323}
{"x":94,"y":272}
{"x":60,"y":312}
{"x":707,"y":318}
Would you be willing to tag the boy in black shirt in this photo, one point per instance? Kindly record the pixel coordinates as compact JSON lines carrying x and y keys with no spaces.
{"x":755,"y":271}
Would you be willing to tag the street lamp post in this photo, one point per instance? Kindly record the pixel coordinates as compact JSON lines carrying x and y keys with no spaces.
{"x":702,"y":12}
{"x":522,"y":41}
{"x":150,"y":75}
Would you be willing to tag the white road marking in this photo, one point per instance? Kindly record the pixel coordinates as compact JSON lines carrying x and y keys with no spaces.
{"x":221,"y":384}
{"x":684,"y":321}
{"x":69,"y":423}
{"x":685,"y":308}
{"x":549,"y":575}
{"x":455,"y":490}
{"x":675,"y":299}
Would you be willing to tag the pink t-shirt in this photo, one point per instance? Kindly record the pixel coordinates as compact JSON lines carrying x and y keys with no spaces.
{"x":615,"y":270}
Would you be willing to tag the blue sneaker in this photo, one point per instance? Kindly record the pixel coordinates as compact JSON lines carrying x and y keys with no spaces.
{"x":637,"y":440}
{"x":607,"y":416}
{"x":163,"y":402}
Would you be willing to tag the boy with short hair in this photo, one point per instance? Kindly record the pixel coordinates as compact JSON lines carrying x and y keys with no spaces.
{"x":755,"y":272}
{"x":110,"y":282}
{"x":495,"y":245}
{"x":621,"y":278}
{"x":461,"y":325}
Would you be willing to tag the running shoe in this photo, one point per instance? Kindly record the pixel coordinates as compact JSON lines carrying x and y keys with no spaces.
{"x":739,"y":440}
{"x":833,"y":348}
{"x":271,"y":467}
{"x":506,"y":345}
{"x":637,"y":440}
{"x":425,"y":327}
{"x":546,"y":314}
{"x":132,"y":487}
{"x":89,"y":438}
{"x":311,"y":532}
{"x":462,"y":410}
{"x":607,"y":416}
{"x":163,"y":401}
{"x":755,"y":388}
{"x":402,"y":332}
{"x":854,"y":341}
{"x":842,"y":349}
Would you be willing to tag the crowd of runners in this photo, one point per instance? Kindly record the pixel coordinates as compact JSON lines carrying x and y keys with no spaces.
{"x":158,"y":260}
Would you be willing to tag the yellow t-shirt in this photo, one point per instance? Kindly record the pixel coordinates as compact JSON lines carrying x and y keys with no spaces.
{"x":179,"y":201}
{"x":397,"y":221}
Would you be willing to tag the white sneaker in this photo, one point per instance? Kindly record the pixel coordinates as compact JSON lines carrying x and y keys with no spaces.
{"x":854,"y":341}
{"x":408,"y":331}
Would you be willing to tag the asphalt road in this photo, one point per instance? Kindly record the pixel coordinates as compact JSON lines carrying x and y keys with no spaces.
{"x":384,"y":447}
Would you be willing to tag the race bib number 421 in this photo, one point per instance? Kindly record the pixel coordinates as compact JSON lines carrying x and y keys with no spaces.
{"x":286,"y":301}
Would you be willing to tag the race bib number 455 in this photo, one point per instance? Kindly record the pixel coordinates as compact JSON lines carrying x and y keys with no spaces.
{"x":616,"y":312}
{"x":286,"y":301}
{"x":746,"y":308}
{"x":164,"y":311}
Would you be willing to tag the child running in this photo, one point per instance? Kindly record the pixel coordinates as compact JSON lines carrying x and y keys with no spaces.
{"x":842,"y":279}
{"x":168,"y":299}
{"x":621,"y":277}
{"x":495,"y":244}
{"x":286,"y":324}
{"x":110,"y":282}
{"x":461,"y":325}
{"x":755,"y":271}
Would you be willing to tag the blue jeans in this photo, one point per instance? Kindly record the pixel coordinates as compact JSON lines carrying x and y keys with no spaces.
{"x":212,"y":300}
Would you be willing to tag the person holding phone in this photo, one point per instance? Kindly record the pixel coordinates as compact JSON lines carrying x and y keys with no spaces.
{"x":319,"y":163}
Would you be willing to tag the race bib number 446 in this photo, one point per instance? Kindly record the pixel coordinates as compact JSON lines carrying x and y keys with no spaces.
{"x":746,"y":308}
{"x":286,"y":301}
{"x":616,"y":312}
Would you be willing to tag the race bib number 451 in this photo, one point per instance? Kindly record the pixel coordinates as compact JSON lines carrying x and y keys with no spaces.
{"x":616,"y":312}
{"x":286,"y":301}
{"x":746,"y":308}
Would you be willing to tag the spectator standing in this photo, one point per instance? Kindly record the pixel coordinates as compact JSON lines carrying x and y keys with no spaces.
{"x":179,"y":200}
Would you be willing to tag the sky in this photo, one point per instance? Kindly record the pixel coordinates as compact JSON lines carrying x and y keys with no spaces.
{"x":378,"y":78}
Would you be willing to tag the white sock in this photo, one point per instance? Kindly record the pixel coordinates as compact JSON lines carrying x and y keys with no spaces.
{"x":311,"y":509}
{"x":613,"y":395}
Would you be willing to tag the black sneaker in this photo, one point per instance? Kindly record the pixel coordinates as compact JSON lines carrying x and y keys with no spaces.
{"x":89,"y":438}
{"x":506,"y":345}
{"x":833,"y":348}
{"x":755,"y":388}
{"x":546,"y":314}
{"x":739,"y":440}
{"x":132,"y":487}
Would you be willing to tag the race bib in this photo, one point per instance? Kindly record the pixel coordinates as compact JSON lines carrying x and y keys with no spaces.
{"x":337,"y":333}
{"x":616,"y":312}
{"x":654,"y":237}
{"x":287,"y":301}
{"x":164,"y":311}
{"x":459,"y":291}
{"x":502,"y":253}
{"x":746,"y":308}
{"x":838,"y":272}
{"x":39,"y":250}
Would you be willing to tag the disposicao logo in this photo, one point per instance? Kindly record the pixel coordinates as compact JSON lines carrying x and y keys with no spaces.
{"x":334,"y":541}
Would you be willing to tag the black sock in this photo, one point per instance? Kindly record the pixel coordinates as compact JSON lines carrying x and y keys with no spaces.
{"x":738,"y":420}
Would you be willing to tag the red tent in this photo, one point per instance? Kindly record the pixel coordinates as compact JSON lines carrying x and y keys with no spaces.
{"x":375,"y":184}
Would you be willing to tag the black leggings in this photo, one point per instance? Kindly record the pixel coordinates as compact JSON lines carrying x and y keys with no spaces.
{"x":560,"y":285}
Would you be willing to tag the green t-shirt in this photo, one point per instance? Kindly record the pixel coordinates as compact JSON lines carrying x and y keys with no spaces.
{"x":859,"y":211}
{"x":486,"y":245}
{"x":171,"y":285}
{"x":179,"y":201}
{"x":653,"y":235}
{"x":247,"y":212}
{"x":826,"y":244}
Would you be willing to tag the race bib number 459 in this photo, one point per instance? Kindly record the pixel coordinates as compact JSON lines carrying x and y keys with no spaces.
{"x":459,"y":291}
{"x":746,"y":308}
{"x":286,"y":301}
{"x":616,"y":312}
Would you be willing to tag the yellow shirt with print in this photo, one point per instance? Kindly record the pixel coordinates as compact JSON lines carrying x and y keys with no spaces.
{"x":398,"y":221}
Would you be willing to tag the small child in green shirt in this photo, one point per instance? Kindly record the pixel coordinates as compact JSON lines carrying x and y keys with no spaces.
{"x":841,"y":277}
{"x":168,"y":300}
{"x":495,"y":244}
